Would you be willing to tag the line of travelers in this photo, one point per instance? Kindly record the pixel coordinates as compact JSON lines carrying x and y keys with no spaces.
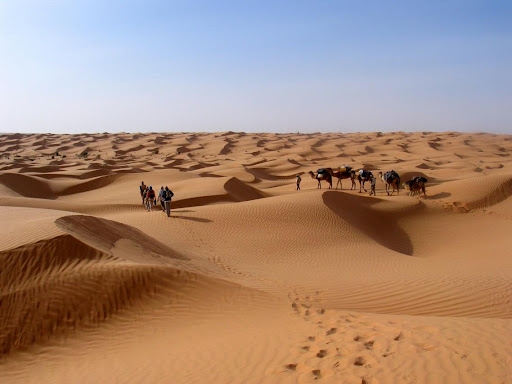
{"x":150,"y":198}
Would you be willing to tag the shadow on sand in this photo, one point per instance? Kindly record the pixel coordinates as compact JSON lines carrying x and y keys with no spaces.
{"x":440,"y":195}
{"x":198,"y":219}
{"x":381,"y":226}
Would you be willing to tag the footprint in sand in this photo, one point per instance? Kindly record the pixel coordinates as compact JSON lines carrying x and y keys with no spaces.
{"x":369,"y":345}
{"x":359,"y":361}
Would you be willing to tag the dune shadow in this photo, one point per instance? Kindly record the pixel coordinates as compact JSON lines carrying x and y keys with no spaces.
{"x":440,"y":195}
{"x":380,"y":226}
{"x":207,"y":174}
{"x":198,"y":219}
{"x":90,"y":185}
{"x":294,"y":162}
{"x":240,"y":191}
{"x":264,"y":174}
{"x":28,"y":186}
{"x":409,"y":175}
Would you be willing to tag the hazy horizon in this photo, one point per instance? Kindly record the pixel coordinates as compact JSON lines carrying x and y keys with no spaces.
{"x":282,"y":67}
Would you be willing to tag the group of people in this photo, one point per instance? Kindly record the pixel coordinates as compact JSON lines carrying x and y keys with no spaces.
{"x":150,"y":198}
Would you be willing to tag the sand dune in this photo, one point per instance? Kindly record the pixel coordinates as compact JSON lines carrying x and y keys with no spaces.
{"x":27,"y":186}
{"x":250,"y":280}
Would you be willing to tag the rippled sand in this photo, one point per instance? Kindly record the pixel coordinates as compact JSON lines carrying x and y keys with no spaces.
{"x":249,"y":280}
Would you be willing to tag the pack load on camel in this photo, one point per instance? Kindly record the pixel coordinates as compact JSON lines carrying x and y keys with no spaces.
{"x":364,"y":176}
{"x":345,"y":172}
{"x":322,"y":174}
{"x":392,"y":181}
{"x":416,"y":185}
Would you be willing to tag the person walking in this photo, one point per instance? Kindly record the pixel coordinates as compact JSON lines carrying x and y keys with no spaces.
{"x":373,"y":182}
{"x":298,"y":182}
{"x":150,"y":198}
{"x":161,"y":197}
{"x":168,"y":197}
{"x":145,"y":197}
{"x":142,"y":188}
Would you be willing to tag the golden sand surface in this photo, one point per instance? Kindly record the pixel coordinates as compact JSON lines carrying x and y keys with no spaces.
{"x":250,"y":280}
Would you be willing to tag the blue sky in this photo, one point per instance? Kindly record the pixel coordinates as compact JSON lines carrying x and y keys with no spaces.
{"x":255,"y":66}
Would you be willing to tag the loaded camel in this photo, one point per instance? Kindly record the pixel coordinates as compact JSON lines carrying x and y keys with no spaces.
{"x":363,"y":176}
{"x":345,"y":172}
{"x":322,"y":174}
{"x":392,"y":181}
{"x":416,"y":185}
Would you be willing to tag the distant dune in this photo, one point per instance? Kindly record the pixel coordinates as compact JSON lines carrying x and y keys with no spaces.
{"x":250,"y":280}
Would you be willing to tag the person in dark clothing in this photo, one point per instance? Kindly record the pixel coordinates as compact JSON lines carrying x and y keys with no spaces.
{"x":161,"y":197}
{"x":373,"y":183}
{"x":142,"y":188}
{"x":167,"y":199}
{"x":150,"y":198}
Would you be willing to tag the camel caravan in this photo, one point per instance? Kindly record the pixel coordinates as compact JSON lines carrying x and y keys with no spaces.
{"x":327,"y":174}
{"x":391,"y":180}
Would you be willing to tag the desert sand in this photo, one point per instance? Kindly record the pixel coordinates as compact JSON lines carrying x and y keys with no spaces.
{"x":250,"y":280}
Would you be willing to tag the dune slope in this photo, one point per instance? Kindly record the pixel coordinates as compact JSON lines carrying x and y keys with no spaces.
{"x":250,"y":280}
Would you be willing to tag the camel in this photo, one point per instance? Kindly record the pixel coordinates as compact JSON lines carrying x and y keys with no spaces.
{"x":322,"y":174}
{"x":392,"y":181}
{"x":345,"y":172}
{"x":416,"y":185}
{"x":363,"y":176}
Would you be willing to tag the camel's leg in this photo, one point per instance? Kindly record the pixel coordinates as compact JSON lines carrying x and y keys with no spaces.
{"x":392,"y":187}
{"x":339,"y":182}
